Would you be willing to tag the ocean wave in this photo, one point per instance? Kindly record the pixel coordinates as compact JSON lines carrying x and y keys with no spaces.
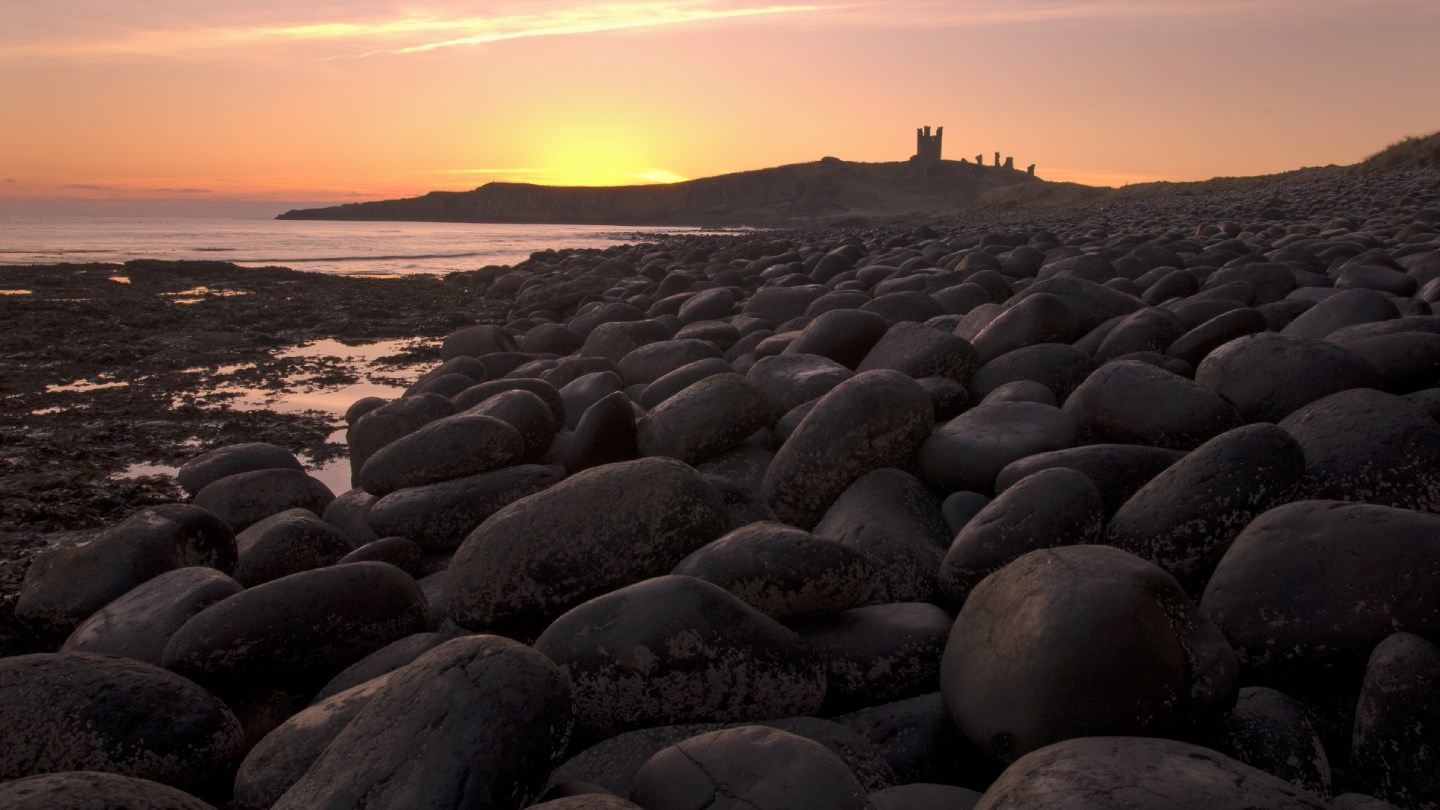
{"x":393,"y":258}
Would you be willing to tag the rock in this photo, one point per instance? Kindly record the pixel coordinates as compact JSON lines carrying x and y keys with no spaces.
{"x":1057,"y":366}
{"x":1091,"y":304}
{"x":921,"y":351}
{"x":284,"y":755}
{"x":1117,"y":470}
{"x":752,"y":767}
{"x":1365,"y":445}
{"x":140,"y":623}
{"x":551,"y":338}
{"x":959,"y":508}
{"x":401,"y":552}
{"x":587,"y":801}
{"x":474,"y":341}
{"x":1397,"y":722}
{"x":879,"y":653}
{"x":297,"y":631}
{"x":1052,"y":507}
{"x":789,"y":380}
{"x":1194,"y":345}
{"x":1345,"y":308}
{"x":1132,"y":402}
{"x":780,"y":304}
{"x":782,"y":571}
{"x":1309,"y":589}
{"x":1021,"y":391}
{"x":207,"y":468}
{"x":1406,"y":361}
{"x":477,"y":394}
{"x":528,"y":414}
{"x":443,"y":450}
{"x":605,"y":435}
{"x":1269,"y":376}
{"x":611,"y":764}
{"x":876,"y":419}
{"x":1269,"y":730}
{"x":93,"y":790}
{"x":890,"y":517}
{"x":1184,"y":519}
{"x":675,"y":650}
{"x":1032,"y":320}
{"x":649,"y":363}
{"x":1138,"y":773}
{"x":615,"y":339}
{"x":1148,"y":330}
{"x":558,"y":296}
{"x":350,"y":513}
{"x":925,"y":796}
{"x":380,"y":663}
{"x":704,"y":420}
{"x":680,"y":379}
{"x":968,"y":452}
{"x":85,"y":712}
{"x":588,"y":535}
{"x":1272,"y":282}
{"x":439,"y":516}
{"x":843,"y":335}
{"x":582,"y":392}
{"x":477,"y":721}
{"x":65,"y":586}
{"x":905,"y":306}
{"x":1097,"y":641}
{"x":243,"y":499}
{"x":288,"y":543}
{"x":919,"y":742}
{"x":389,"y":422}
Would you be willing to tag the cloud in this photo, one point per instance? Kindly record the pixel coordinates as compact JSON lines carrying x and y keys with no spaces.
{"x":90,"y":187}
{"x":419,"y":32}
{"x":9,"y":181}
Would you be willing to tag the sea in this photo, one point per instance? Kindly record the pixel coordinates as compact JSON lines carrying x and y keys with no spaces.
{"x":342,"y":248}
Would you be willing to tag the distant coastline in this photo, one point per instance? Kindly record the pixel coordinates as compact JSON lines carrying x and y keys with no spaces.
{"x":798,"y":194}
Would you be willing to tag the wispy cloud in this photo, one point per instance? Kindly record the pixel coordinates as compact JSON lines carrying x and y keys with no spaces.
{"x":9,"y":181}
{"x":411,"y":34}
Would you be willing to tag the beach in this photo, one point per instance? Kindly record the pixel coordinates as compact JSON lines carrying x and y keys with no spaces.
{"x":958,"y":505}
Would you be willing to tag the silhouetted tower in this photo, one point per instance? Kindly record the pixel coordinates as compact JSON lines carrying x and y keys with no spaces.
{"x":927,"y":146}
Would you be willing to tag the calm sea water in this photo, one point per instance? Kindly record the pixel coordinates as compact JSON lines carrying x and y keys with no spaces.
{"x":359,"y":248}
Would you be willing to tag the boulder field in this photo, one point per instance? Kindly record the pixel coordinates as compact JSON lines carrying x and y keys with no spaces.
{"x":1125,"y":507}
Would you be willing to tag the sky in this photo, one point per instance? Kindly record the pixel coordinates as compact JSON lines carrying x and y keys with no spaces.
{"x":198,"y":107}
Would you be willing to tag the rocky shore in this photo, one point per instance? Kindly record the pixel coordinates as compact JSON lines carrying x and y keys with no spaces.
{"x":1130,"y":503}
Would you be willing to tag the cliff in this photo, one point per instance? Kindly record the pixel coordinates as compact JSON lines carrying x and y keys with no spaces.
{"x":803,"y":192}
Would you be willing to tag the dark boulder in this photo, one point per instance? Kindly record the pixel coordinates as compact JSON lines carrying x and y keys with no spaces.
{"x":1308,"y":590}
{"x":969,"y":451}
{"x":890,"y":516}
{"x":876,"y":419}
{"x":298,"y":631}
{"x":594,"y":532}
{"x":85,"y":712}
{"x":139,"y":624}
{"x":476,"y":721}
{"x":1133,"y":402}
{"x":288,"y":543}
{"x":1096,"y":641}
{"x":245,"y":498}
{"x":1366,"y":445}
{"x":705,"y":419}
{"x":1057,"y":366}
{"x":676,"y":650}
{"x":1138,"y":773}
{"x":1269,"y":376}
{"x":1271,"y":731}
{"x":1117,"y":470}
{"x":93,"y":790}
{"x":439,"y":516}
{"x":747,"y":768}
{"x":63,"y":587}
{"x":207,"y":468}
{"x":782,"y":571}
{"x":1185,"y":517}
{"x":879,"y":653}
{"x":921,"y":351}
{"x":1397,"y":722}
{"x":1052,"y":507}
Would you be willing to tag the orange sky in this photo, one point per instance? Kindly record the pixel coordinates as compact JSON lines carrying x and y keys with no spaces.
{"x":197,"y":106}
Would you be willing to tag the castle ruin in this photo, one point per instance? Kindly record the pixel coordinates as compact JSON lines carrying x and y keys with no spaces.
{"x":927,"y":146}
{"x":927,"y":152}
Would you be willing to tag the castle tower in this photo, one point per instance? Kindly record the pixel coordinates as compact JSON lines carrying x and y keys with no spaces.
{"x":927,"y":146}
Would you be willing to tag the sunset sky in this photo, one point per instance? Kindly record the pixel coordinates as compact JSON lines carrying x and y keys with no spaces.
{"x":196,"y":106}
